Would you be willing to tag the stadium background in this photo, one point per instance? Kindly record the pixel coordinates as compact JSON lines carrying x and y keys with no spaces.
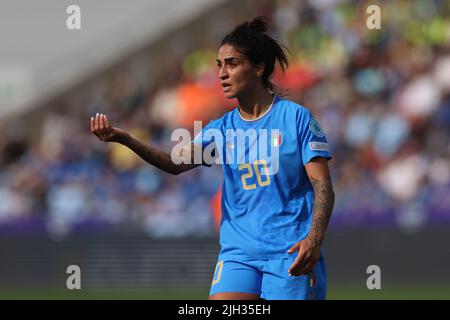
{"x":382,"y":96}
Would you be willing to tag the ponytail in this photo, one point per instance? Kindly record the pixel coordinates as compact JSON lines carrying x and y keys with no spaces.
{"x":251,"y":39}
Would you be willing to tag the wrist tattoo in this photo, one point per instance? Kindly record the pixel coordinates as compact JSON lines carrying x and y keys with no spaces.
{"x":323,"y":206}
{"x":156,"y":157}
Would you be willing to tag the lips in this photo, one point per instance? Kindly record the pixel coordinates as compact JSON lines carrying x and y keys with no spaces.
{"x":226,"y":86}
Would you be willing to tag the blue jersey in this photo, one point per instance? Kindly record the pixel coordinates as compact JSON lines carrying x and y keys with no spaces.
{"x":267,"y":198}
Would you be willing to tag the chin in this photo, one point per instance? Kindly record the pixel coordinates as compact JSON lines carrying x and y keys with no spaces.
{"x":229,"y":95}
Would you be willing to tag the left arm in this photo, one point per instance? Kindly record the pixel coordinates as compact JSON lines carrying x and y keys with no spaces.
{"x":320,"y":178}
{"x":309,"y":248}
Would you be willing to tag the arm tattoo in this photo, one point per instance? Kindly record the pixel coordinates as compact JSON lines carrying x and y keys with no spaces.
{"x":155,"y":157}
{"x":323,"y":206}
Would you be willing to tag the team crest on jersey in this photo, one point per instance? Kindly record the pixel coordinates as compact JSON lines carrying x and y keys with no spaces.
{"x":276,"y":139}
{"x":315,"y":128}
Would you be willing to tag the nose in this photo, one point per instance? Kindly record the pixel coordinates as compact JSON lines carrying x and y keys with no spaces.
{"x":223,"y":74}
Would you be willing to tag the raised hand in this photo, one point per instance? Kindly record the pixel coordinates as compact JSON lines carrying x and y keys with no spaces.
{"x":101,"y":127}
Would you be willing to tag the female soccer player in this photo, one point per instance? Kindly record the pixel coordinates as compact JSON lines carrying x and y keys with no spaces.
{"x":273,"y":222}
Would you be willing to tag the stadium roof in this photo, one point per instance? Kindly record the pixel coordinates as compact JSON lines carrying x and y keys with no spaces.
{"x":40,"y":56}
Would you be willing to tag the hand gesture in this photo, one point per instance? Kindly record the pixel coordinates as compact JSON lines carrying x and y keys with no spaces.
{"x":307,"y":257}
{"x":101,"y":127}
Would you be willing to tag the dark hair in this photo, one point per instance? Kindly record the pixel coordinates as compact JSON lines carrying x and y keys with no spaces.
{"x":251,"y":39}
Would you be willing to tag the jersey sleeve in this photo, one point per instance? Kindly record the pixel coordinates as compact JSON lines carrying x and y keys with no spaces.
{"x":313,"y":142}
{"x":203,"y":139}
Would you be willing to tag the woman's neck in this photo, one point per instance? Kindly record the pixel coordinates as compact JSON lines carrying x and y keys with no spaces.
{"x":255,"y":104}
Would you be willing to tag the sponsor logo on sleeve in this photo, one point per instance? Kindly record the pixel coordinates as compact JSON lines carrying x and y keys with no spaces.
{"x":319,"y":146}
{"x":315,"y":128}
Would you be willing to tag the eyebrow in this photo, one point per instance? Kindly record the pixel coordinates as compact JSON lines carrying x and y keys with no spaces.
{"x":227,"y":59}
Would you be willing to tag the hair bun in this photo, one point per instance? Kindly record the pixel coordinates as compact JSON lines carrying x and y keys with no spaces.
{"x":250,"y":38}
{"x":258,"y":24}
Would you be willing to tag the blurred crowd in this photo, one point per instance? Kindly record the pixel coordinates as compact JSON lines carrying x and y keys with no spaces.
{"x":382,"y":97}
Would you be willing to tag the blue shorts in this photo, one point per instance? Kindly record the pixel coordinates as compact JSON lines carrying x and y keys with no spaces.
{"x":269,"y":279}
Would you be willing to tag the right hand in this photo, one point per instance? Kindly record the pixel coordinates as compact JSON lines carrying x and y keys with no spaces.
{"x":101,"y":127}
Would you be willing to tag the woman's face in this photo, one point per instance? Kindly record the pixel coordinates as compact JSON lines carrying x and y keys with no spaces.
{"x":237,"y":74}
